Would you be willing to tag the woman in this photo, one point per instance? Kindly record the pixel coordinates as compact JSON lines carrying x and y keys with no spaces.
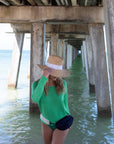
{"x":50,"y":92}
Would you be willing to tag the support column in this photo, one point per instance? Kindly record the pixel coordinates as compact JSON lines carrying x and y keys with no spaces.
{"x":49,"y":46}
{"x":82,"y":56}
{"x":76,"y":53}
{"x":54,"y":44}
{"x":37,"y":47}
{"x":44,"y":45}
{"x":16,"y":60}
{"x":65,"y":55}
{"x":60,"y":48}
{"x":109,"y":26}
{"x":73,"y":53}
{"x":100,"y":67}
{"x":85,"y":58}
{"x":45,"y":52}
{"x":69,"y":56}
{"x":28,"y":74}
{"x":48,"y":50}
{"x":90,"y":59}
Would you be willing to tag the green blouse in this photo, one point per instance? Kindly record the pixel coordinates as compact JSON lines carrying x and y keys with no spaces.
{"x":52,"y":106}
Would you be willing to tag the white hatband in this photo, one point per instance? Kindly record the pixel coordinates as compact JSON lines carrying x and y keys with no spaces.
{"x":57,"y":67}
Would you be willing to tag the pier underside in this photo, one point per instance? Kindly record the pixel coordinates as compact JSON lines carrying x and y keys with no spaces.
{"x":64,"y":28}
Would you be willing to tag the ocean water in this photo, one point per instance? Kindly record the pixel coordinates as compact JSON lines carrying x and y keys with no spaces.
{"x":17,"y":126}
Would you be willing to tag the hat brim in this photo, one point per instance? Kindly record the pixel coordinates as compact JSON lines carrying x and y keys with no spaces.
{"x":56,"y":73}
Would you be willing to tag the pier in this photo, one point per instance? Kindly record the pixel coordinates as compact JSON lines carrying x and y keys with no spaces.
{"x":64,"y":28}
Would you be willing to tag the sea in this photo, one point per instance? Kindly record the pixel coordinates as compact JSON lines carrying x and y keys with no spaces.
{"x":18,"y":126}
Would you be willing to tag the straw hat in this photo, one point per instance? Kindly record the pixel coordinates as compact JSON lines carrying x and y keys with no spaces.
{"x":55,"y":62}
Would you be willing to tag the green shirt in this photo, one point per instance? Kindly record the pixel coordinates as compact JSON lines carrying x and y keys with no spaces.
{"x":52,"y":106}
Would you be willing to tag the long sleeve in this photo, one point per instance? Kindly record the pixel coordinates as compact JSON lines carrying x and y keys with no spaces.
{"x":37,"y":91}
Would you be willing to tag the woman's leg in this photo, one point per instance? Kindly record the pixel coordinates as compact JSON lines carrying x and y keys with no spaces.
{"x":47,"y":133}
{"x":59,"y":136}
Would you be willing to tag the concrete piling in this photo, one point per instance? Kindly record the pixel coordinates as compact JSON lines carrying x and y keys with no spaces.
{"x":76,"y":52}
{"x":16,"y":60}
{"x":45,"y":52}
{"x":54,"y":44}
{"x":85,"y":58}
{"x":109,"y":27}
{"x":100,"y":69}
{"x":90,"y":59}
{"x":60,"y":48}
{"x":37,"y":40}
{"x":73,"y":53}
{"x":69,"y":56}
{"x":65,"y":55}
{"x":82,"y":56}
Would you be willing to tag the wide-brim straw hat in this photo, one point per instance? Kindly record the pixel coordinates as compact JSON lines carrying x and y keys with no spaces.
{"x":55,"y":63}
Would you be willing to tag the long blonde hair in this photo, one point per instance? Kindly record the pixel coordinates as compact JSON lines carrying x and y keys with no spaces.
{"x":58,"y":85}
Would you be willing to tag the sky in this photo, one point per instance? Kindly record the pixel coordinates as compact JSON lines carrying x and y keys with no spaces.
{"x":7,"y":38}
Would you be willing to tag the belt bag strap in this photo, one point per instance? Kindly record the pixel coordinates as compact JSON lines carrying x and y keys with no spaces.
{"x":44,"y":119}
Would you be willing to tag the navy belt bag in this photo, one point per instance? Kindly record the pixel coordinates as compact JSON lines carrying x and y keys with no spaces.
{"x":64,"y":123}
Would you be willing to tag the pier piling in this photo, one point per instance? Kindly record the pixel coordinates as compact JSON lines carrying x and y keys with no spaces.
{"x":109,"y":27}
{"x":37,"y":40}
{"x":16,"y":60}
{"x":90,"y":59}
{"x":100,"y":69}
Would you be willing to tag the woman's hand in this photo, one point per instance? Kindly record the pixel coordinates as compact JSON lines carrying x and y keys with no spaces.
{"x":47,"y":72}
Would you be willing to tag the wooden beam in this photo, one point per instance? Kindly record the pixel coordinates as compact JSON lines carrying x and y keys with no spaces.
{"x":58,"y":2}
{"x":5,"y":2}
{"x":74,"y":2}
{"x":69,"y":2}
{"x":17,"y":2}
{"x":66,"y":2}
{"x":67,"y":28}
{"x":20,"y":28}
{"x":31,"y":2}
{"x":83,"y":15}
{"x":45,"y":2}
{"x":72,"y":37}
{"x":60,"y":29}
{"x":63,"y":3}
{"x":68,"y":37}
{"x":86,"y":1}
{"x":39,"y":2}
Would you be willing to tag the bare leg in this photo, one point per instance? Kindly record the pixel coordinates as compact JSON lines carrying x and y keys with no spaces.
{"x":47,"y":133}
{"x":59,"y":136}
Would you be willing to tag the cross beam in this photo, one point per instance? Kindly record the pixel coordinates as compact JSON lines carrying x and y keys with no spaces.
{"x":28,"y":14}
{"x":61,"y":29}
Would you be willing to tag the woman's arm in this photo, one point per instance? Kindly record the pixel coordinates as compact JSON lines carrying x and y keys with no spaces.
{"x":37,"y":91}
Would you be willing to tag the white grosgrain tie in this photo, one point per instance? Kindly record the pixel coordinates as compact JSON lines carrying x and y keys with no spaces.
{"x":57,"y":67}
